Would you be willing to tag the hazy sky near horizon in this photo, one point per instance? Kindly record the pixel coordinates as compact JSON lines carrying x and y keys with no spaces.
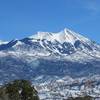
{"x":22,"y":18}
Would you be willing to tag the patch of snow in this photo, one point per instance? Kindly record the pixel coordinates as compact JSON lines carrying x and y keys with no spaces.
{"x":3,"y":42}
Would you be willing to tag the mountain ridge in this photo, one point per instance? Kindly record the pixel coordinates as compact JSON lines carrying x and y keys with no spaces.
{"x":63,"y":43}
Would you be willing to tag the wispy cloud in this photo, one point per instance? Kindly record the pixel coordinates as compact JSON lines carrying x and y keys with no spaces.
{"x":92,"y":6}
{"x":91,"y":11}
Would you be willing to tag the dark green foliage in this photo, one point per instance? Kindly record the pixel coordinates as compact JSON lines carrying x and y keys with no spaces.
{"x":81,"y":98}
{"x":18,"y":90}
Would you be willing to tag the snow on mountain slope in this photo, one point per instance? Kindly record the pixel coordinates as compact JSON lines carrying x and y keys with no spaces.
{"x":65,"y":44}
{"x":3,"y":42}
{"x":64,"y":36}
{"x":64,"y":41}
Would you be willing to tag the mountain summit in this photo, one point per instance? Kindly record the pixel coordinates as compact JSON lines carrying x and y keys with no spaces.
{"x":64,"y":36}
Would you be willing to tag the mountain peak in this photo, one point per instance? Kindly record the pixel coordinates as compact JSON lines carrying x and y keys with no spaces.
{"x":73,"y":36}
{"x":63,"y":36}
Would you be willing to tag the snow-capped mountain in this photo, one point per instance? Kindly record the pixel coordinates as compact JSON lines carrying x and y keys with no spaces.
{"x":46,"y":58}
{"x":63,"y":44}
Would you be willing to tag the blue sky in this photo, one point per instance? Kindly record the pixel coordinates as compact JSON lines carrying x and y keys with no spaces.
{"x":22,"y":18}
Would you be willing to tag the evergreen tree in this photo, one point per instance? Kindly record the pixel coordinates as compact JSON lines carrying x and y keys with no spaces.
{"x":18,"y":90}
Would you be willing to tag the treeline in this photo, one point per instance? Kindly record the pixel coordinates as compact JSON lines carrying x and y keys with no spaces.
{"x":18,"y":90}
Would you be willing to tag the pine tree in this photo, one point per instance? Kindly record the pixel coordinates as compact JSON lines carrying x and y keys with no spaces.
{"x":18,"y":90}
